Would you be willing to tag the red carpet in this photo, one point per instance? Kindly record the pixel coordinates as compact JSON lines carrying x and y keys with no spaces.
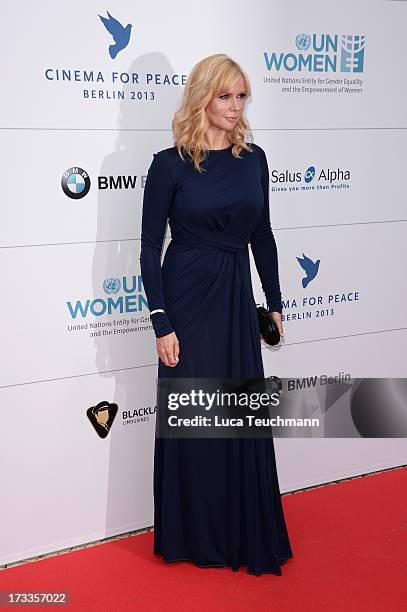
{"x":350,"y":553}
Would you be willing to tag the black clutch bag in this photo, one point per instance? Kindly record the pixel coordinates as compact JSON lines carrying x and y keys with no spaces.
{"x":268,"y":328}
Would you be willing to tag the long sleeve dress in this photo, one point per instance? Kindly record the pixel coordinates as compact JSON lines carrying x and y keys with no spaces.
{"x":217,"y":502}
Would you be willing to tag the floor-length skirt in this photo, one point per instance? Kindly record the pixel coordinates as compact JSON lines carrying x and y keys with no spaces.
{"x":217,"y":501}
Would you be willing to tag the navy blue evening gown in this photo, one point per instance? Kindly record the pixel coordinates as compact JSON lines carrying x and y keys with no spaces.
{"x":217,"y":502}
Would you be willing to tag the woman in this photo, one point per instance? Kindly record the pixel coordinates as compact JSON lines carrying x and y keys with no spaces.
{"x":216,"y":501}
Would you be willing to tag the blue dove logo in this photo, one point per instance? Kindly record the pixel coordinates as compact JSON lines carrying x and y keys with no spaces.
{"x":121,"y":35}
{"x":310,"y":268}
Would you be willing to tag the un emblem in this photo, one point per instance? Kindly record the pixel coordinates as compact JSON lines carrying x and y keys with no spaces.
{"x":75,"y":183}
{"x":111,"y":285}
{"x":303,"y":41}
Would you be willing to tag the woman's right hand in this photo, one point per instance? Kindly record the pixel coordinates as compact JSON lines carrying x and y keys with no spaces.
{"x":168,"y":349}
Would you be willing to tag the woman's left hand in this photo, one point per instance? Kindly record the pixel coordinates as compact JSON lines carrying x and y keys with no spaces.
{"x":276,"y":316}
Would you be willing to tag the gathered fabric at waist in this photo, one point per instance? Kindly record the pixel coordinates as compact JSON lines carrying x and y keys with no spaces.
{"x":224,"y":241}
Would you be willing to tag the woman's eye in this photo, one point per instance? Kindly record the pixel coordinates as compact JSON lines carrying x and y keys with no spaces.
{"x":224,"y":96}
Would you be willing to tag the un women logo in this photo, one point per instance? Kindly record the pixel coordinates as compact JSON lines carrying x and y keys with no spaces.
{"x":303,"y":41}
{"x":111,"y":285}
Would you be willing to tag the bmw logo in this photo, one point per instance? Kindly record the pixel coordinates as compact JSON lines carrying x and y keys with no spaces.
{"x":75,"y":183}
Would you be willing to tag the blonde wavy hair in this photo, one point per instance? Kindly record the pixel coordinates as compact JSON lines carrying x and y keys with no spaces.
{"x":207,"y":79}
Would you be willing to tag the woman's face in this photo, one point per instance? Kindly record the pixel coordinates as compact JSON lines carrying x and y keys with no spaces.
{"x":225,"y":109}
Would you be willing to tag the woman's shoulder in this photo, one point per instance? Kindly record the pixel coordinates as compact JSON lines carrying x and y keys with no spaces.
{"x":168,"y":157}
{"x":162,"y":161}
{"x":168,"y":163}
{"x":161,"y":155}
{"x":164,"y":151}
{"x":260,"y":156}
{"x":257,"y":149}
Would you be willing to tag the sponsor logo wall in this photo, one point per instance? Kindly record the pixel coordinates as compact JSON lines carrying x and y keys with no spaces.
{"x":85,"y":105}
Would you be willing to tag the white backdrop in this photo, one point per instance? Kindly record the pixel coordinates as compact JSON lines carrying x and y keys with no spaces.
{"x":66,"y":103}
